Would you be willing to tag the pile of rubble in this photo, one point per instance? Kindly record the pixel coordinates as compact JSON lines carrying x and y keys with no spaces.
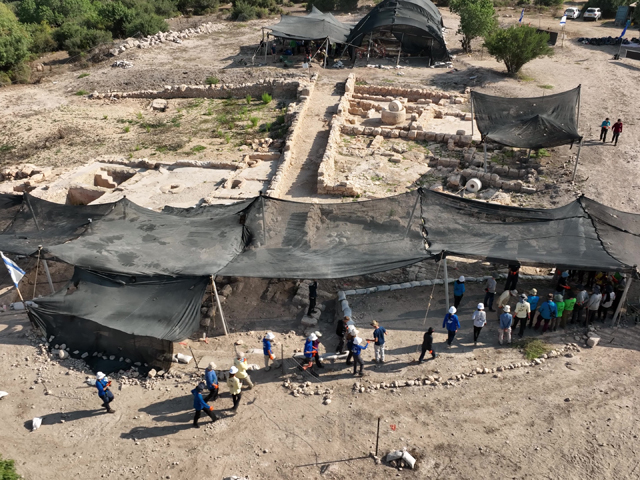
{"x":31,"y":173}
{"x":121,"y":64}
{"x":298,"y":389}
{"x":162,"y":37}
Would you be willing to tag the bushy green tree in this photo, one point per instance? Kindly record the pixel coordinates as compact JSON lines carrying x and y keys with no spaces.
{"x":54,"y":12}
{"x":198,"y":7}
{"x":517,"y":45}
{"x":476,"y":19}
{"x":77,"y":39}
{"x":42,"y":40}
{"x":14,"y":39}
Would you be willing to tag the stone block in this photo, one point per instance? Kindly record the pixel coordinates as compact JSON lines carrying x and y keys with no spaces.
{"x":461,"y":132}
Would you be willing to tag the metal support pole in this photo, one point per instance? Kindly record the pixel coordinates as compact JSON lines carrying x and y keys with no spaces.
{"x":575,"y":168}
{"x":399,"y":50}
{"x":446,"y":282}
{"x":264,"y":221}
{"x":413,"y":211}
{"x":472,"y":120}
{"x":266,"y":47}
{"x":578,"y":117}
{"x":326,"y":54}
{"x":377,"y":436}
{"x":369,"y":49}
{"x":616,"y":316}
{"x":215,"y":292}
{"x":46,"y":271}
{"x":484,"y":146}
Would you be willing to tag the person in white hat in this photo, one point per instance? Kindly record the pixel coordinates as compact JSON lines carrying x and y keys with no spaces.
{"x":357,"y":355}
{"x":103,"y":384}
{"x":522,"y":313}
{"x":235,"y":387}
{"x":200,"y":405}
{"x":479,"y":318}
{"x":309,"y":350}
{"x":458,"y":291}
{"x":316,"y":348}
{"x":242,"y":365}
{"x":505,"y":325}
{"x":267,"y":349}
{"x":350,"y":335}
{"x":452,"y":324}
{"x":211,"y":380}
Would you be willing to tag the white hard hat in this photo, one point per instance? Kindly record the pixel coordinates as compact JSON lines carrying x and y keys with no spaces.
{"x":351,"y":329}
{"x":481,"y":306}
{"x":100,"y":376}
{"x":269,"y":336}
{"x":211,"y":366}
{"x":514,"y":293}
{"x":357,"y":341}
{"x":233,"y":370}
{"x":461,"y":279}
{"x":318,"y":334}
{"x":507,"y":308}
{"x":313,"y":337}
{"x":350,"y":322}
{"x":452,"y":310}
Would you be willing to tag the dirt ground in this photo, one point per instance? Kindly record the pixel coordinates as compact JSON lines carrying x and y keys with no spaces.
{"x":570,"y":417}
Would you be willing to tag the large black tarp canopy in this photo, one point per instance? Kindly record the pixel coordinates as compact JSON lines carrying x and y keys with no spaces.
{"x":537,"y":122}
{"x":313,"y":26}
{"x":417,"y":24}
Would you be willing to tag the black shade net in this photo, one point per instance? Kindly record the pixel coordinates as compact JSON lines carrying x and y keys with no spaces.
{"x":314,"y":26}
{"x":538,"y":122}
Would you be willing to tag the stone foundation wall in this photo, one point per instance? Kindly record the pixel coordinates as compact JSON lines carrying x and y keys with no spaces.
{"x":460,"y":140}
{"x":417,"y":95}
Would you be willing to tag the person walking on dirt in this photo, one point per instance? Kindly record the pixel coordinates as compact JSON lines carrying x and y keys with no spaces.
{"x":479,"y":318}
{"x":616,"y":131}
{"x":200,"y":404}
{"x":242,"y":366}
{"x":351,"y":334}
{"x":379,"y":340}
{"x":604,"y":128}
{"x":559,"y":301}
{"x":506,"y":319}
{"x":458,"y":291}
{"x":357,"y":355}
{"x":593,"y":305}
{"x":546,"y":312}
{"x":522,"y":314}
{"x":341,"y":331}
{"x":313,"y":295}
{"x":309,"y":351}
{"x":235,"y":387}
{"x":105,"y":394}
{"x":569,"y":305}
{"x":452,"y":324}
{"x":490,"y":293}
{"x":582,"y":298}
{"x":316,"y":349}
{"x":533,"y":300}
{"x":512,"y":277}
{"x":427,"y":345}
{"x":211,"y":379}
{"x":267,"y":349}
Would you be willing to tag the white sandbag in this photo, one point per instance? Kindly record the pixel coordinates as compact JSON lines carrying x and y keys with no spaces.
{"x":35,"y":423}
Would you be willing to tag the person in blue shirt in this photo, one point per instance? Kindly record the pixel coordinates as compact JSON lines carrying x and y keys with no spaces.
{"x":378,"y":337}
{"x":546,"y":312}
{"x":309,"y":351}
{"x":267,"y":349}
{"x":357,"y":355}
{"x":604,"y":128}
{"x":506,"y":319}
{"x":316,"y":348}
{"x":533,"y":300}
{"x":458,"y":291}
{"x":211,"y":380}
{"x":199,"y":404}
{"x":452,"y":324}
{"x":103,"y":384}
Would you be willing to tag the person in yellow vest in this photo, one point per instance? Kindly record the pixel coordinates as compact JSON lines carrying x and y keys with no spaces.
{"x":242,"y":366}
{"x":235,"y":387}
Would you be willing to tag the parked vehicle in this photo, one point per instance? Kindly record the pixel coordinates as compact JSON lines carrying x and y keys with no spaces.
{"x":592,"y":14}
{"x":572,"y":12}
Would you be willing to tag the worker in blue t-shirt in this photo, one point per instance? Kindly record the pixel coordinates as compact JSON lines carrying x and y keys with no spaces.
{"x":211,"y":379}
{"x":357,"y":354}
{"x":309,"y":350}
{"x":458,"y":291}
{"x":267,"y":349}
{"x":452,"y":324}
{"x":199,"y":404}
{"x":378,"y":337}
{"x":103,"y":384}
{"x":604,"y":128}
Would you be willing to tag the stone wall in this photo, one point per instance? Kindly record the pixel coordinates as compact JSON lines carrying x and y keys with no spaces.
{"x":415,"y":95}
{"x":293,"y":117}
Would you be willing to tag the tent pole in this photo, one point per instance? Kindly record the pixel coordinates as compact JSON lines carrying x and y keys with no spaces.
{"x":264,"y":221}
{"x":446,"y":282}
{"x":578,"y":119}
{"x":411,"y":216}
{"x":399,"y":51}
{"x":369,"y":49}
{"x":46,"y":272}
{"x":484,"y":146}
{"x":326,"y":54}
{"x":472,"y":121}
{"x":575,"y":168}
{"x":266,"y":46}
{"x":215,"y":291}
{"x":44,"y":262}
{"x":213,"y":287}
{"x":616,"y":316}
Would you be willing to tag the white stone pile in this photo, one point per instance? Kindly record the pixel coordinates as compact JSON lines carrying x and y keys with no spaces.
{"x":306,"y":389}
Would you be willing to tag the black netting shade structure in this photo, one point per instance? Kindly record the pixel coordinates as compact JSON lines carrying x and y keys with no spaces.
{"x":314,"y":26}
{"x":537,"y":122}
{"x":417,"y":24}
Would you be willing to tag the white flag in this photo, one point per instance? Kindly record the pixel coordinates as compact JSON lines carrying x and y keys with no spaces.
{"x":563,"y":20}
{"x":14,"y":270}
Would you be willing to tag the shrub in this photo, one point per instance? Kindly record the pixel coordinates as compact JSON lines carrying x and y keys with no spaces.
{"x":346,"y":5}
{"x":517,"y":45}
{"x":77,"y":39}
{"x":198,"y":7}
{"x":248,"y":99}
{"x":54,"y":12}
{"x":254,"y":121}
{"x":266,"y":98}
{"x":322,"y":5}
{"x":212,"y":81}
{"x":476,"y":19}
{"x":198,"y":148}
{"x":243,"y":11}
{"x":8,"y":470}
{"x":42,"y":40}
{"x":4,"y":79}
{"x":20,"y":73}
{"x":145,"y":24}
{"x":14,"y":39}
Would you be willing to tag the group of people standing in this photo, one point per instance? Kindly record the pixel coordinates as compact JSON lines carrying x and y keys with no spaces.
{"x":616,"y":130}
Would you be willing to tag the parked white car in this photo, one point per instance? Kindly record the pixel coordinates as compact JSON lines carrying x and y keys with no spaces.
{"x":572,"y":12}
{"x":592,"y":14}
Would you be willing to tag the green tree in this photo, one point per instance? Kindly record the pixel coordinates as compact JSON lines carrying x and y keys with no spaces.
{"x":14,"y":39}
{"x":476,"y":19}
{"x":8,"y":470}
{"x":77,"y":39}
{"x":54,"y":12}
{"x":517,"y":45}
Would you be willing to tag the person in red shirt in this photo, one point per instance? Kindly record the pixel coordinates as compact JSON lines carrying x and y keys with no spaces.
{"x":617,"y":130}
